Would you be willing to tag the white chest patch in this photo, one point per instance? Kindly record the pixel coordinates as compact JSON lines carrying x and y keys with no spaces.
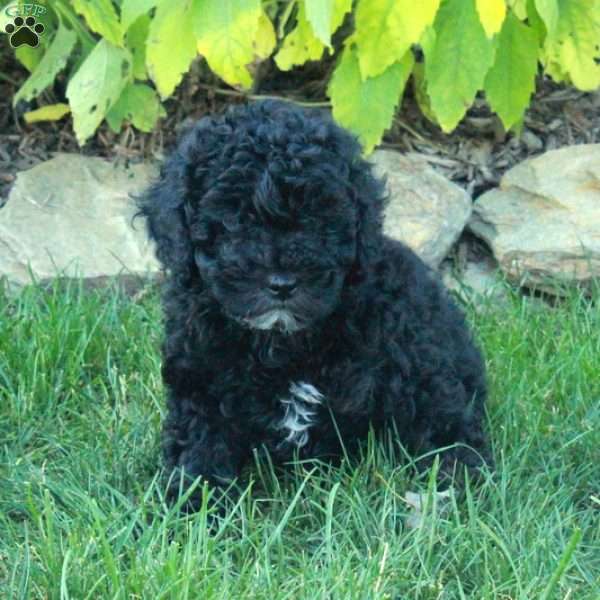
{"x":300,"y":412}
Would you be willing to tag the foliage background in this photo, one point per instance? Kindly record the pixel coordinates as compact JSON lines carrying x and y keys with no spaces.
{"x":122,"y":59}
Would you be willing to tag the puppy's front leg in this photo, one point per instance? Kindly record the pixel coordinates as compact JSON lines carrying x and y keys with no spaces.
{"x":199,"y":444}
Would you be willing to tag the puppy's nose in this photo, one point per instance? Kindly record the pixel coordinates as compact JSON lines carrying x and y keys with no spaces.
{"x":281,"y":286}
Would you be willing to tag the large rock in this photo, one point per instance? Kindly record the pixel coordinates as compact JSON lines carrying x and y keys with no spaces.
{"x":426,"y":211}
{"x":71,"y":216}
{"x":543,"y":223}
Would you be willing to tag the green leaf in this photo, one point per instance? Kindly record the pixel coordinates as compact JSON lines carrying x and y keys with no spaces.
{"x":386,"y":29}
{"x":53,"y":61}
{"x":367,"y":107}
{"x":227,"y":34}
{"x":50,"y":112}
{"x":420,"y":92}
{"x":96,"y":86}
{"x":30,"y":57}
{"x":171,"y":45}
{"x":511,"y":80}
{"x":302,"y":43}
{"x":139,"y":104}
{"x":519,"y":7}
{"x":102,"y":18}
{"x":548,"y":11}
{"x":131,"y":10}
{"x":456,"y":64}
{"x":135,"y":40}
{"x":535,"y":21}
{"x":319,"y":14}
{"x":577,"y":40}
{"x":426,"y":42}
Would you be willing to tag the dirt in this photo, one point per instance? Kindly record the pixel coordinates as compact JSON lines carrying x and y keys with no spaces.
{"x":479,"y":151}
{"x":474,"y":156}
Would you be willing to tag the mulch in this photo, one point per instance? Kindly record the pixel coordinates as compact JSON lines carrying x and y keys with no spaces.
{"x":474,"y":156}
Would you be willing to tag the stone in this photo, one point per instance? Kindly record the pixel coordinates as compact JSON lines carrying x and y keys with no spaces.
{"x":543,"y":222}
{"x":71,"y":216}
{"x":418,"y":503}
{"x":476,"y":282}
{"x":426,"y":211}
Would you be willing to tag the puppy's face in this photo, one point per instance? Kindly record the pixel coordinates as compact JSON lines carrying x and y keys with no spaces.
{"x":275,"y":263}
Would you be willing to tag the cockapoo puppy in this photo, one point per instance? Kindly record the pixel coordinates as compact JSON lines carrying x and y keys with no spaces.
{"x":292,"y":322}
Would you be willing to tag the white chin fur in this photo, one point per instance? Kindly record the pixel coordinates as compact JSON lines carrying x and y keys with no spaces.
{"x":276,"y":317}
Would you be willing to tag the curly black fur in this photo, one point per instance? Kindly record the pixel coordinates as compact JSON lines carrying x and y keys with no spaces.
{"x":287,"y":308}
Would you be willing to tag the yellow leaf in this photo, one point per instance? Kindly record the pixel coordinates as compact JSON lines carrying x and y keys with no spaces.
{"x":96,"y":86}
{"x":386,"y":29}
{"x":583,"y":69}
{"x":226,"y":36}
{"x":300,"y":45}
{"x":50,"y":112}
{"x":340,"y":8}
{"x":265,"y":37}
{"x":551,"y":63}
{"x":575,"y":44}
{"x":170,"y":46}
{"x":491,"y":15}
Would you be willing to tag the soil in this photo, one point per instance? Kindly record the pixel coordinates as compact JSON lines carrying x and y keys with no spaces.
{"x":474,"y":156}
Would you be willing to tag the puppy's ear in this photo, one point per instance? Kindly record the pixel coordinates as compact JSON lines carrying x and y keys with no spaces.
{"x":171,"y":203}
{"x":163,"y":205}
{"x":370,"y":200}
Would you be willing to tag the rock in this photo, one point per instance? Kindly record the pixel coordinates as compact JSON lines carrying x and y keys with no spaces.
{"x":426,"y":211}
{"x":532,"y":141}
{"x":477,"y":281}
{"x":543,"y":223}
{"x":71,"y":216}
{"x":436,"y":504}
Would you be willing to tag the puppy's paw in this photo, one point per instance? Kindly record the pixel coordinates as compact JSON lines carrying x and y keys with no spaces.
{"x":300,"y":413}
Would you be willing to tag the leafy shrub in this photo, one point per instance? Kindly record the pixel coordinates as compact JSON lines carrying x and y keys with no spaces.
{"x":124,"y":57}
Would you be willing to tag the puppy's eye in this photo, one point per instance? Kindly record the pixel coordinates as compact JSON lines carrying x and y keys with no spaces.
{"x":323,"y":278}
{"x":203,"y":259}
{"x":231,"y":224}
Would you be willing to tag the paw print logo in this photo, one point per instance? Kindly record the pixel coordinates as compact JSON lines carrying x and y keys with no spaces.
{"x":24,"y":31}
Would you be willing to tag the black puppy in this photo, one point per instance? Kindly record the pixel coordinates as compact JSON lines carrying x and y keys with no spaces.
{"x":292,"y":322}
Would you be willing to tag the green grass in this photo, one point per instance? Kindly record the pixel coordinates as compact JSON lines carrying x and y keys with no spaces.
{"x":82,"y":516}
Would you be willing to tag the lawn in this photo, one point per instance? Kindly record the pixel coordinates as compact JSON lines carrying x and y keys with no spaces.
{"x":82,"y":515}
